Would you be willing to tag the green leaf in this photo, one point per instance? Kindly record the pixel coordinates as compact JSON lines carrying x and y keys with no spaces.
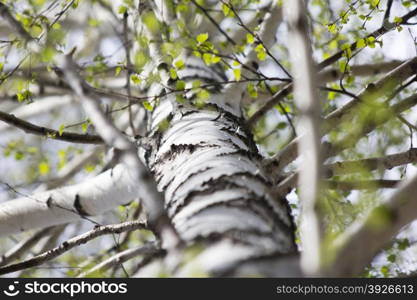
{"x":250,"y":39}
{"x":61,"y":129}
{"x":43,"y":168}
{"x":19,"y":155}
{"x":202,"y":37}
{"x":215,"y":59}
{"x":173,"y":73}
{"x":196,"y":84}
{"x":398,"y":20}
{"x":361,"y":43}
{"x":385,"y":271}
{"x":151,"y":22}
{"x":207,"y":58}
{"x":237,"y":74}
{"x":180,"y":85}
{"x":135,"y":79}
{"x":403,"y":244}
{"x":252,"y":91}
{"x":179,"y":64}
{"x":122,"y":9}
{"x":26,"y":94}
{"x":391,"y":258}
{"x":85,"y":125}
{"x":261,"y":52}
{"x":89,"y":168}
{"x":203,"y":95}
{"x":227,"y":11}
{"x":332,"y":28}
{"x":147,"y":106}
{"x":180,"y":98}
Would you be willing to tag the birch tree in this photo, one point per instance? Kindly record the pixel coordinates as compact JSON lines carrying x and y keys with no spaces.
{"x":208,"y":138}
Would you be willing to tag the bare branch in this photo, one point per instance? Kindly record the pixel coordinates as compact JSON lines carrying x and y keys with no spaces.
{"x":47,"y":104}
{"x":364,"y":70}
{"x":24,"y":245}
{"x":378,"y":163}
{"x":388,"y":11}
{"x":362,"y":184}
{"x":71,"y":243}
{"x":48,"y":132}
{"x":8,"y":17}
{"x":120,"y":258}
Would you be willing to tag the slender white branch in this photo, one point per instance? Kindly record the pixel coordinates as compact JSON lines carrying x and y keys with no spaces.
{"x":24,"y":246}
{"x":71,"y":243}
{"x":122,"y":257}
{"x":306,"y":99}
{"x":364,"y":70}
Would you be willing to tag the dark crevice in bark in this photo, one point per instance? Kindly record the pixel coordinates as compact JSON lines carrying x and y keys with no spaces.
{"x":242,"y":152}
{"x":204,"y":69}
{"x":180,"y":148}
{"x":258,"y":205}
{"x":213,"y":185}
{"x":234,"y":235}
{"x":79,"y":208}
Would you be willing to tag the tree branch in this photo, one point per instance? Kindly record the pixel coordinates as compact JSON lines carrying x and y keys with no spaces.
{"x":370,"y":164}
{"x":362,"y":184}
{"x":71,"y":243}
{"x":91,"y":197}
{"x":327,"y":62}
{"x":152,"y":199}
{"x":8,"y":17}
{"x":121,"y":257}
{"x":24,"y":245}
{"x":289,"y":153}
{"x":359,"y":244}
{"x":306,"y":99}
{"x":48,"y":132}
{"x":373,"y":91}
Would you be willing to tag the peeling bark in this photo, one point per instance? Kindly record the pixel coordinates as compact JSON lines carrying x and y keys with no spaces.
{"x":216,"y":191}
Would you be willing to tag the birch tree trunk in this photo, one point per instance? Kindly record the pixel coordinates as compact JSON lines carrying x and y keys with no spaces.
{"x":209,"y":167}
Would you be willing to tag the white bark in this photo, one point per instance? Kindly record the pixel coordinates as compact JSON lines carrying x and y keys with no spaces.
{"x":92,"y":197}
{"x":215,"y":188}
{"x":307,"y":101}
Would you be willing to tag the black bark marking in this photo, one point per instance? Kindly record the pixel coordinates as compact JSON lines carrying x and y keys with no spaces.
{"x":180,"y":148}
{"x":213,"y":185}
{"x":49,"y":202}
{"x":242,"y":152}
{"x":78,"y":206}
{"x":235,"y":235}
